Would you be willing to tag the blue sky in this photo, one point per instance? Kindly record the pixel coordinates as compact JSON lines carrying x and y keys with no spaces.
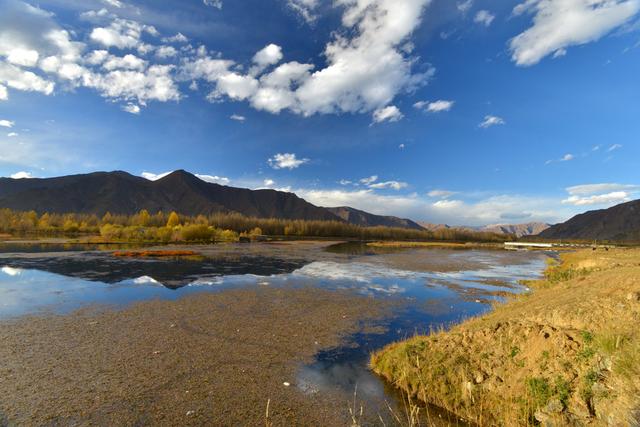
{"x":470,"y":112}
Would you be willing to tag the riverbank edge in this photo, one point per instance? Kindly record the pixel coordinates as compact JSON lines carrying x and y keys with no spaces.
{"x":565,"y":353}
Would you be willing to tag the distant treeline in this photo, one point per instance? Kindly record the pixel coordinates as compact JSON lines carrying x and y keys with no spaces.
{"x":167,"y":227}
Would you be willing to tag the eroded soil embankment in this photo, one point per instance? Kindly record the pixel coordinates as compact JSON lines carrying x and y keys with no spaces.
{"x":567,"y":353}
{"x":208,"y":359}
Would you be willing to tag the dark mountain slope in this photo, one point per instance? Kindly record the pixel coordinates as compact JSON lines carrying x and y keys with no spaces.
{"x":365,"y":219}
{"x":120,"y":192}
{"x":621,"y":222}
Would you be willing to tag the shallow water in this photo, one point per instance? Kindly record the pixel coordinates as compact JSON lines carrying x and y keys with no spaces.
{"x":430,"y":299}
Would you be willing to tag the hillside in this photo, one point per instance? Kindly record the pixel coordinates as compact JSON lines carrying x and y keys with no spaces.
{"x":365,"y":219}
{"x":621,"y":222}
{"x":565,"y":354}
{"x":122,"y":193}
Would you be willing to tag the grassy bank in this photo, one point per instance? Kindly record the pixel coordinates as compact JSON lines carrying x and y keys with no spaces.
{"x":566,"y":353}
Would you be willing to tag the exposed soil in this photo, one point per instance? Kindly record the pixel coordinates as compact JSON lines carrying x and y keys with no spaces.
{"x":213,"y":359}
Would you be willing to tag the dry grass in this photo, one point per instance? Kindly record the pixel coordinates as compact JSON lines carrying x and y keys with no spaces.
{"x":569,"y":352}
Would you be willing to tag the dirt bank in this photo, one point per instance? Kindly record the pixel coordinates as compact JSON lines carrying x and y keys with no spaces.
{"x":567,"y":353}
{"x":209,"y":359}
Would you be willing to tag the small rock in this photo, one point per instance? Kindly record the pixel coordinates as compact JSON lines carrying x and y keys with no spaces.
{"x":478,"y":377}
{"x":554,"y":406}
{"x":633,"y":296}
{"x":190,"y":413}
{"x":286,"y":384}
{"x":156,"y":352}
{"x":173,"y":325}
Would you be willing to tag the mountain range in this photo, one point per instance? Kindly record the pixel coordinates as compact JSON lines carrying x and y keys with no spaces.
{"x":518,"y":230}
{"x":122,"y":193}
{"x":620,"y":222}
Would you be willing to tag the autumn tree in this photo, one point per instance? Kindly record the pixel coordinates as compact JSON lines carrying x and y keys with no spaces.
{"x":143,"y":218}
{"x":174,"y":220}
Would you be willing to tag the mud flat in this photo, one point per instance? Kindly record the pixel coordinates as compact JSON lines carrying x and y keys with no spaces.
{"x":214,"y":359}
{"x":567,"y":353}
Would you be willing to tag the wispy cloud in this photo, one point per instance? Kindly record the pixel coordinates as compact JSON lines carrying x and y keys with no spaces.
{"x":606,"y":194}
{"x":395,"y":185}
{"x":490,"y":121}
{"x":434,"y":106}
{"x":7,"y":123}
{"x":441,"y":193}
{"x":213,"y":3}
{"x":464,"y":6}
{"x":560,"y":24}
{"x":566,"y":158}
{"x":484,"y":17}
{"x":369,"y":180}
{"x":237,"y":118}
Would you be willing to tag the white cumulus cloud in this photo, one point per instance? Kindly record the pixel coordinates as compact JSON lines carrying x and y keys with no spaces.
{"x":214,"y":179}
{"x":131,"y":108}
{"x":7,"y":123}
{"x":387,"y":114}
{"x":286,"y":161}
{"x":22,"y":175}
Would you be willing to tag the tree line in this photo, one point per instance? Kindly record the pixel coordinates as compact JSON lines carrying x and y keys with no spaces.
{"x":168,"y":227}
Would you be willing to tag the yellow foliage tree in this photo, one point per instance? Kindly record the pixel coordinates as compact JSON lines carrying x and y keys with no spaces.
{"x":174,"y":220}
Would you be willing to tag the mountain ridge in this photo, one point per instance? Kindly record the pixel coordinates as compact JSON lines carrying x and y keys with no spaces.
{"x":122,"y":193}
{"x":366,"y":219}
